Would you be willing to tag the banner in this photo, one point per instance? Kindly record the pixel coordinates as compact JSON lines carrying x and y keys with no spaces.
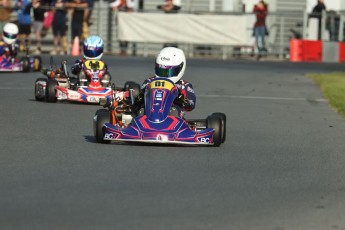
{"x":183,"y":28}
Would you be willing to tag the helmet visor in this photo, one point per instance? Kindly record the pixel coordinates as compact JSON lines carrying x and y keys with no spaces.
{"x":10,"y":36}
{"x":168,"y":71}
{"x":92,"y":52}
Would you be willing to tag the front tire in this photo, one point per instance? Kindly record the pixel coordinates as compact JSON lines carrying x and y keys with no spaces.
{"x":222,"y":117}
{"x":38,"y":94}
{"x":51,"y":90}
{"x":100,"y":119}
{"x":214,"y":122}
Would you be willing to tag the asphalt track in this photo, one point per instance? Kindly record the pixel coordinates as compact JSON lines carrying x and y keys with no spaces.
{"x":281,"y":167}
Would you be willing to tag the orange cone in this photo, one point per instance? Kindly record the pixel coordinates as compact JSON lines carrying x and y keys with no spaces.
{"x":75,"y":47}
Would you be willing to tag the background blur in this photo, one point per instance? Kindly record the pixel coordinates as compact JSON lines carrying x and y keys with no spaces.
{"x":287,"y":19}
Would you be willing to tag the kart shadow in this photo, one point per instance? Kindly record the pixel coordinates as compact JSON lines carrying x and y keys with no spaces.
{"x":91,"y":139}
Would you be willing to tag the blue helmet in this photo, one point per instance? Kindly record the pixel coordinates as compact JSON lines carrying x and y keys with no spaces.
{"x":93,"y":47}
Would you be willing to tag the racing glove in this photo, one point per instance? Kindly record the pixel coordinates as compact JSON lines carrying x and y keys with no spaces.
{"x":76,"y":68}
{"x":139,"y":100}
{"x":181,"y":100}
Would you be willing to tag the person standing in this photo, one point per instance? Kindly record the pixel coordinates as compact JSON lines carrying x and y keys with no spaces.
{"x":80,"y":11}
{"x":23,"y":8}
{"x":317,"y":13}
{"x":5,"y":12}
{"x":59,"y":27}
{"x":38,"y":10}
{"x":124,"y":6}
{"x":260,"y":29}
{"x":170,"y":6}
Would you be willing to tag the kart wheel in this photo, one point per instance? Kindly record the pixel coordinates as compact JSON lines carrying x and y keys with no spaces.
{"x":37,"y":63}
{"x":100,"y":119}
{"x":215,"y":123}
{"x":51,"y":91}
{"x":101,"y":111}
{"x":133,"y":85}
{"x":223,"y":121}
{"x":39,"y":96}
{"x":25,"y":64}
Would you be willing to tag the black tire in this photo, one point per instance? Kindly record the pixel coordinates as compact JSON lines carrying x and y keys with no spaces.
{"x":223,"y":120}
{"x":215,"y":123}
{"x":51,"y":90}
{"x":25,"y":64}
{"x":133,"y":85}
{"x":36,"y":89}
{"x":100,"y":119}
{"x":37,"y":63}
{"x":101,"y":111}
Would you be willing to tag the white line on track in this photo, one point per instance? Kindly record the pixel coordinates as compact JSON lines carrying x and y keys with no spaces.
{"x":224,"y":96}
{"x":264,"y":98}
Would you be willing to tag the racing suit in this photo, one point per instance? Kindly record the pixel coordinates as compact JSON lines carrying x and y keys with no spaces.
{"x":8,"y":52}
{"x":76,"y":69}
{"x":185,"y":101}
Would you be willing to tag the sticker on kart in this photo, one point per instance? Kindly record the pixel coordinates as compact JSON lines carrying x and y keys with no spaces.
{"x":94,"y":65}
{"x":93,"y":99}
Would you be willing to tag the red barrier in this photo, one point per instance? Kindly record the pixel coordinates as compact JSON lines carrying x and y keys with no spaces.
{"x":312,"y":51}
{"x":305,"y":50}
{"x":296,"y":50}
{"x":341,"y":51}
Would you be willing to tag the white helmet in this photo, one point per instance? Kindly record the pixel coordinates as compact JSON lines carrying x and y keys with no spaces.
{"x":93,"y":47}
{"x":10,"y":33}
{"x":170,"y":63}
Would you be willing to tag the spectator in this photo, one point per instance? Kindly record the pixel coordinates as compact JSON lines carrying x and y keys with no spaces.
{"x":5,"y":12}
{"x":317,"y":13}
{"x":170,"y":6}
{"x":260,"y":29}
{"x":59,"y":27}
{"x":332,"y":25}
{"x":23,"y":8}
{"x":39,"y":11}
{"x":140,"y":5}
{"x":80,"y":12}
{"x":90,"y":4}
{"x":124,"y":6}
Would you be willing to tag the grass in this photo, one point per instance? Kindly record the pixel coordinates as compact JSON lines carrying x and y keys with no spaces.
{"x":333,"y":88}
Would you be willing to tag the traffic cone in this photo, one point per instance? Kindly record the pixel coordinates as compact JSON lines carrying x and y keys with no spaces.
{"x":75,"y":47}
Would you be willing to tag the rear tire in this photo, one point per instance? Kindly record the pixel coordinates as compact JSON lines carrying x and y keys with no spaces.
{"x":98,"y":130}
{"x":51,"y":90}
{"x":25,"y":64}
{"x":101,"y":111}
{"x":133,"y":85}
{"x":37,"y":97}
{"x":223,"y":122}
{"x":215,"y":123}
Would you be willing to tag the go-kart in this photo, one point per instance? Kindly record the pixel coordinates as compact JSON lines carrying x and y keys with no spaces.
{"x":159,"y":123}
{"x":60,"y":86}
{"x":23,"y":64}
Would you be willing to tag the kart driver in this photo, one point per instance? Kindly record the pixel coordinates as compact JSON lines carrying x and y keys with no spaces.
{"x":93,"y":50}
{"x":9,"y":46}
{"x":171,"y":63}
